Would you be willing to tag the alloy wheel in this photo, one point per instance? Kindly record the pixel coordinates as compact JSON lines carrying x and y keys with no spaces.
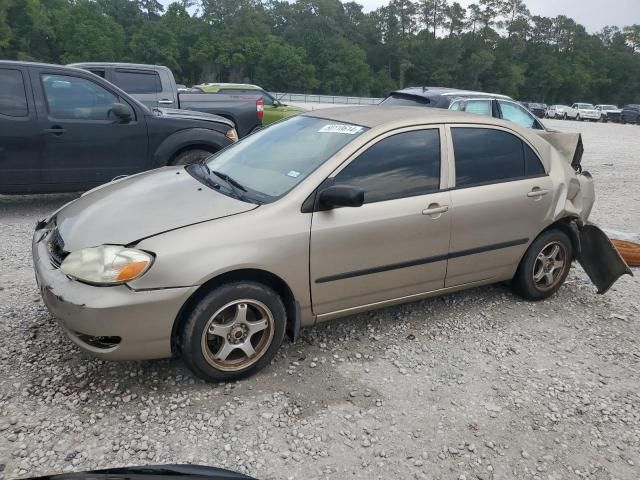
{"x":237,"y":335}
{"x":550,"y":266}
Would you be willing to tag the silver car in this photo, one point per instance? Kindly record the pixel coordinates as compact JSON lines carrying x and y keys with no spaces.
{"x":317,"y":217}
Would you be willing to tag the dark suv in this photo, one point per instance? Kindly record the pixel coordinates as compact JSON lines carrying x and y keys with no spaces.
{"x":631,"y":114}
{"x":481,"y":103}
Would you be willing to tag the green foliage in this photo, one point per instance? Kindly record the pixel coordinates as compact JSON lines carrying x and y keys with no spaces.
{"x":329,"y":46}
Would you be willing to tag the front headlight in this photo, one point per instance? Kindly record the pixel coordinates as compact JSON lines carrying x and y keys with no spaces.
{"x":106,"y":265}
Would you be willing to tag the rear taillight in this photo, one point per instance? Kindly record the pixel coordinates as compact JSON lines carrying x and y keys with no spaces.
{"x":260,"y":108}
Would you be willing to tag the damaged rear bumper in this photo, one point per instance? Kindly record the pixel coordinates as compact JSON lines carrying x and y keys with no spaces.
{"x":598,"y":256}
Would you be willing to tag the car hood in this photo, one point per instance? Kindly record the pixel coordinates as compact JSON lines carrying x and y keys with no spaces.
{"x":127,"y":210}
{"x":191,"y":115}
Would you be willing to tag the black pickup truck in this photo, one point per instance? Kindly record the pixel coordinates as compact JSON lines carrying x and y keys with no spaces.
{"x":64,"y":129}
{"x":155,"y":86}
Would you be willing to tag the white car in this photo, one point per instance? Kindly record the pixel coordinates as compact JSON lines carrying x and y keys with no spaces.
{"x":583,"y":111}
{"x":557,"y":111}
{"x":610,"y":113}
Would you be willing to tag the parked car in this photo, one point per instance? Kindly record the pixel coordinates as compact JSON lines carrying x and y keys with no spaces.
{"x":582,"y":111}
{"x":558,"y":111}
{"x":538,"y":109}
{"x":279,"y":227}
{"x":480,"y":103}
{"x":155,"y":86}
{"x":631,"y":114}
{"x":609,"y":113}
{"x":274,"y":109}
{"x":64,"y":129}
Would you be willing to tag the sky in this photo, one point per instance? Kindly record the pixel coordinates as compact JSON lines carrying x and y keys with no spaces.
{"x":593,"y":14}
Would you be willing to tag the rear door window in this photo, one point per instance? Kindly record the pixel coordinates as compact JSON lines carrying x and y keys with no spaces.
{"x":13,"y":98}
{"x":137,"y":82}
{"x":517,"y":114}
{"x":484,"y":156}
{"x":479,"y":107}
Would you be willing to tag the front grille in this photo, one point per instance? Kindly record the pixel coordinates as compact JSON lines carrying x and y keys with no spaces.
{"x":56,"y":249}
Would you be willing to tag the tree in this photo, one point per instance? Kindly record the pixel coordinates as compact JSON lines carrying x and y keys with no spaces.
{"x":433,"y":14}
{"x":327,"y":46}
{"x":454,"y":18}
{"x":155,"y":44}
{"x":5,"y":30}
{"x":284,"y":67}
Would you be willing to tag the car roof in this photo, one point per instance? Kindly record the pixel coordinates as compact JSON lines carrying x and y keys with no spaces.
{"x":117,"y":65}
{"x":447,"y":92}
{"x":19,"y":63}
{"x":373,"y":116}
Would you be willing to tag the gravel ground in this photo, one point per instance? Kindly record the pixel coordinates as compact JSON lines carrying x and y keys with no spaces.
{"x":476,"y":385}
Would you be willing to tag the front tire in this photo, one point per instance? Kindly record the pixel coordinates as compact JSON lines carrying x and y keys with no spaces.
{"x":544,"y":267}
{"x":191,"y":156}
{"x":233,"y":332}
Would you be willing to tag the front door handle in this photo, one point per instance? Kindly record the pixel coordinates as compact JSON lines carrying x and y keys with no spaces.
{"x":435,"y":210}
{"x":537,"y":192}
{"x":56,"y":130}
{"x":165,"y":102}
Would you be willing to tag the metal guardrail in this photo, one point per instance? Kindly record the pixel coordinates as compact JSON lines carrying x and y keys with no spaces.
{"x":307,"y":98}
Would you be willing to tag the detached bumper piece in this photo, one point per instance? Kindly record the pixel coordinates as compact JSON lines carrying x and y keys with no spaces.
{"x":600,"y":259}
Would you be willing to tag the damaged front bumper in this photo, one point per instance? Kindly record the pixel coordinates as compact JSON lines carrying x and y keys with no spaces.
{"x":112,"y":323}
{"x":598,"y":256}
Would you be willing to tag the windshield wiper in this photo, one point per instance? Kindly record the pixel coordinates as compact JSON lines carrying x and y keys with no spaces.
{"x":239,"y":190}
{"x":235,"y":185}
{"x":229,"y":180}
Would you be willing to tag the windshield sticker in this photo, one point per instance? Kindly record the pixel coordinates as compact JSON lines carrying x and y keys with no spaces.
{"x":293,"y":174}
{"x":347,"y":129}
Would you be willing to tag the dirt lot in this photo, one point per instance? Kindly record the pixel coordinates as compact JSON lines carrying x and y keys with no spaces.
{"x":472,"y":385}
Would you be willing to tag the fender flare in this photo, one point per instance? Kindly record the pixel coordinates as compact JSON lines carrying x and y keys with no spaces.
{"x":181,"y":140}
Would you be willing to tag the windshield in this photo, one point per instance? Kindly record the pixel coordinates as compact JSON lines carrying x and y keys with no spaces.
{"x":268,"y":164}
{"x":585,"y":106}
{"x":608,"y":107}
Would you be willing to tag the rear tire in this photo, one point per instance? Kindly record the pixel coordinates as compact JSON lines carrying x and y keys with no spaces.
{"x":233,"y":332}
{"x":544,"y":267}
{"x":191,"y":156}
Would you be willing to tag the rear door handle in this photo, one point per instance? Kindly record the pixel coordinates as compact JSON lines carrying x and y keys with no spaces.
{"x":55,"y":130}
{"x":165,"y":102}
{"x":537,"y":192}
{"x":435,"y":209}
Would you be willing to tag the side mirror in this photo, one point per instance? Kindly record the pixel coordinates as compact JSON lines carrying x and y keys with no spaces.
{"x":342,"y":196}
{"x":121,"y":111}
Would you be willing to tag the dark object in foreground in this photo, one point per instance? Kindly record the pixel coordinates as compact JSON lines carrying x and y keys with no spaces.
{"x":148,"y":472}
{"x":600,"y":259}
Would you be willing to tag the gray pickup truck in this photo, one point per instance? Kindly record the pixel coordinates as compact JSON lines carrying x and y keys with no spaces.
{"x":155,"y":86}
